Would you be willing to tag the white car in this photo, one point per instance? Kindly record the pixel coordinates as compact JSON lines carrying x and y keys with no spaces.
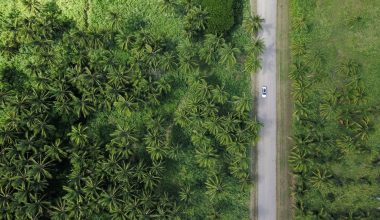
{"x":264,"y":92}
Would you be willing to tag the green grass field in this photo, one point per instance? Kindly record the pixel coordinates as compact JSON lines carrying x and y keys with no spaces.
{"x":335,"y":55}
{"x":351,"y":29}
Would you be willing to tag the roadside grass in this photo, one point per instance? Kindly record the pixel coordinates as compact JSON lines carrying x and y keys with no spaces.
{"x":284,"y":114}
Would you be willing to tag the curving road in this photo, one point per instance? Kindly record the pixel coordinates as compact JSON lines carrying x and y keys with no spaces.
{"x":266,"y":113}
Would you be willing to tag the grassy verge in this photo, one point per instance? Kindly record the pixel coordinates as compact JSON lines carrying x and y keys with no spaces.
{"x":284,"y":113}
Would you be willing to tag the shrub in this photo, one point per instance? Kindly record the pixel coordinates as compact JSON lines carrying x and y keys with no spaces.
{"x":221,"y":15}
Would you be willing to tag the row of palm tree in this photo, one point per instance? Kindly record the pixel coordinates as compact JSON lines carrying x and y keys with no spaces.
{"x":105,"y":124}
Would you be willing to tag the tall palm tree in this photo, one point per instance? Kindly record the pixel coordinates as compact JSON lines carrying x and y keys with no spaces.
{"x":258,"y":46}
{"x":5,"y":96}
{"x":242,"y":105}
{"x":252,"y":63}
{"x":186,"y":194}
{"x":253,"y":24}
{"x":319,"y":178}
{"x":215,"y":188}
{"x":33,"y":6}
{"x":349,"y":67}
{"x":363,"y":128}
{"x":209,"y":51}
{"x":219,"y":95}
{"x":195,"y":20}
{"x":42,"y":126}
{"x":206,"y":156}
{"x":55,"y":151}
{"x":155,"y":144}
{"x":82,"y":105}
{"x":39,"y":168}
{"x":111,"y":199}
{"x":116,"y":19}
{"x":228,"y":55}
{"x":78,"y":135}
{"x":60,"y":210}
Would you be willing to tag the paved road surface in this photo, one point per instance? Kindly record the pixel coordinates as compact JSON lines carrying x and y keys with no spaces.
{"x":266,"y":112}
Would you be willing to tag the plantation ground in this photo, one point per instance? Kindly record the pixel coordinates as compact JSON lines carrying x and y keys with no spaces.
{"x":350,"y":29}
{"x":335,"y":49}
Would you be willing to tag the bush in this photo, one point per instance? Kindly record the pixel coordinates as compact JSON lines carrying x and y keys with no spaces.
{"x":221,"y":15}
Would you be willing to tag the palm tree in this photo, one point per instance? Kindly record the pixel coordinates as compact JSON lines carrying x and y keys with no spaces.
{"x":186,"y":194}
{"x":209,"y":51}
{"x":252,"y":63}
{"x":7,"y":135}
{"x":5,"y":96}
{"x":123,"y":40}
{"x":124,"y":135}
{"x":151,"y":180}
{"x":74,"y":194}
{"x":253,"y":25}
{"x":118,"y":76}
{"x":126,"y":104}
{"x":215,"y":188}
{"x":349,"y":67}
{"x":228,"y":55}
{"x":63,"y":107}
{"x":300,"y":23}
{"x":116,"y":20}
{"x":242,"y":105}
{"x":363,"y":128}
{"x":187,"y":64}
{"x":33,"y":6}
{"x":111,"y":199}
{"x":60,"y":210}
{"x":55,"y":151}
{"x":140,"y":171}
{"x":219,"y":95}
{"x":20,"y":103}
{"x":155,"y":144}
{"x":92,"y":188}
{"x":258,"y":46}
{"x":12,"y":120}
{"x":168,"y":61}
{"x":319,"y":178}
{"x":42,"y":126}
{"x":39,"y":101}
{"x":78,"y":135}
{"x":299,"y":161}
{"x":124,"y":172}
{"x":206,"y":156}
{"x":195,"y":20}
{"x":162,"y":86}
{"x":37,"y":206}
{"x":82,"y":105}
{"x":38,"y":169}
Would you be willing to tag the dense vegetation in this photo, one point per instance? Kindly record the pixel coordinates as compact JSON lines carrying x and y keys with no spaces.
{"x":336,"y":154}
{"x":221,"y":15}
{"x":123,"y":111}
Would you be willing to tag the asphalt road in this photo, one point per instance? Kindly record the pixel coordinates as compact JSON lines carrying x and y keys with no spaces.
{"x":266,"y":113}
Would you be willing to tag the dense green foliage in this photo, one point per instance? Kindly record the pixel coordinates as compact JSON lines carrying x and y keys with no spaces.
{"x":117,"y":112}
{"x":336,"y":164}
{"x":220,"y":15}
